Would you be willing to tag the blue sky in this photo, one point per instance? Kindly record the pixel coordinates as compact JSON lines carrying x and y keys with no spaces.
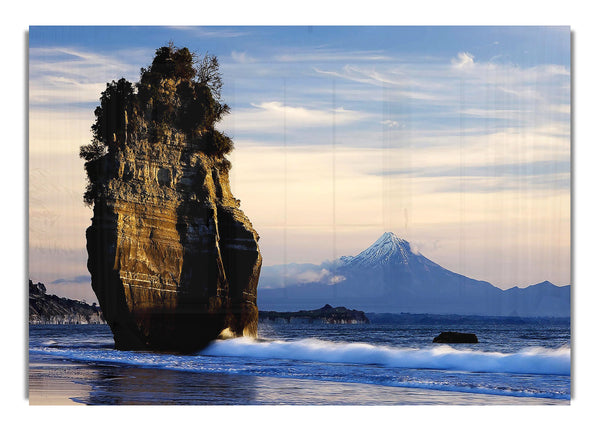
{"x":455,"y":138}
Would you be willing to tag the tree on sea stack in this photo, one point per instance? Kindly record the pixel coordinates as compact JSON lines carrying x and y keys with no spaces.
{"x":175,"y":90}
{"x":173,"y":259}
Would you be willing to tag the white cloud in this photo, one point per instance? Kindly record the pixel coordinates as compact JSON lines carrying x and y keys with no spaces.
{"x":463,"y":60}
{"x":304,"y":277}
{"x":308,"y":276}
{"x":212,"y":32}
{"x":329,"y":55}
{"x":67,"y":75}
{"x":405,"y":87}
{"x":389,"y":123}
{"x":436,"y":84}
{"x":242,"y":57}
{"x":336,"y":279}
{"x":67,"y":61}
{"x":273,"y":116}
{"x":58,"y":91}
{"x":495,"y":113}
{"x":504,"y":147}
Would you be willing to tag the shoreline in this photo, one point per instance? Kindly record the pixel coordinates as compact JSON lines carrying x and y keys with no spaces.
{"x":53,"y":381}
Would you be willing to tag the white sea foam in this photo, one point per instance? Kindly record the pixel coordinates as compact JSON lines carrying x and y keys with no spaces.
{"x":527,"y":361}
{"x":536,"y":360}
{"x":320,"y":360}
{"x":49,"y":343}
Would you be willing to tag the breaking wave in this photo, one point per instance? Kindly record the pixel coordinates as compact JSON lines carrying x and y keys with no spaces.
{"x":433,"y":367}
{"x":536,"y":360}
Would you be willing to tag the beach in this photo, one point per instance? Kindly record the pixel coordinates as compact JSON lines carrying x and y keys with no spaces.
{"x":64,"y":382}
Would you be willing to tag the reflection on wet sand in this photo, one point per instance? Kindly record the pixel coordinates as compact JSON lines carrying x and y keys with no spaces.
{"x":53,"y":382}
{"x":58,"y":382}
{"x":131,"y":386}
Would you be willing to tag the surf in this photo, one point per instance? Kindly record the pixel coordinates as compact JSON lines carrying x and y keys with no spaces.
{"x":536,"y":360}
{"x":440,"y":367}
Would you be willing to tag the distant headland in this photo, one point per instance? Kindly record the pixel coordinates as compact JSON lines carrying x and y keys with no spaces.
{"x":47,"y":309}
{"x":326,"y":314}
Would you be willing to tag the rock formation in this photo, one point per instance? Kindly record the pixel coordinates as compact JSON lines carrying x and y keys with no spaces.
{"x":51,"y":310}
{"x":455,"y":337}
{"x":326,"y":314}
{"x":174,"y":261}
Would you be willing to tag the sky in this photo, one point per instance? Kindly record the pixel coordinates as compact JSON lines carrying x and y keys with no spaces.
{"x":457,"y":139}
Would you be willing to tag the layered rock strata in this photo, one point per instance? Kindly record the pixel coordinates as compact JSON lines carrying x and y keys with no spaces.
{"x":174,"y":261}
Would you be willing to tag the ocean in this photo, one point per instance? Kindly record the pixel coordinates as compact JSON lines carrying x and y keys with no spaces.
{"x":515,"y":362}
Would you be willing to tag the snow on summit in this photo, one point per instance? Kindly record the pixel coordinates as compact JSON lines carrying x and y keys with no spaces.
{"x":388,"y":277}
{"x":388,"y":249}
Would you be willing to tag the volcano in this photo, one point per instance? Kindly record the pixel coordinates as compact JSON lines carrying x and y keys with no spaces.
{"x":390,"y":277}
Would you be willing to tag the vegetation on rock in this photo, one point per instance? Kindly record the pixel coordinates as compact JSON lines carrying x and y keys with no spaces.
{"x":177,"y":93}
{"x":174,"y":261}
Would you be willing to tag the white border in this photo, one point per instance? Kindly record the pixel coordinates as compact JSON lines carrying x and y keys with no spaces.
{"x":578,"y":14}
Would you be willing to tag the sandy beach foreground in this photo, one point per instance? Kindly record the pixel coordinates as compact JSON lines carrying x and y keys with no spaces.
{"x":62,"y":382}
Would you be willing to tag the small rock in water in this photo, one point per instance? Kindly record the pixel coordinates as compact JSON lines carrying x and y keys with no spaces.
{"x":456,"y":337}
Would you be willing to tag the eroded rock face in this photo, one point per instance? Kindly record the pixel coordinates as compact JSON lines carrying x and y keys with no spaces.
{"x":174,"y":261}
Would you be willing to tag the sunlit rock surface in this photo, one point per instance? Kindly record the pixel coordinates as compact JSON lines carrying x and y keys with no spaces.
{"x":173,"y":259}
{"x":174,"y":262}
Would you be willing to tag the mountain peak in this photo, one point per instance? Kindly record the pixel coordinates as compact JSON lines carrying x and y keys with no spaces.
{"x":387,"y":249}
{"x":390,"y":236}
{"x":543,"y":284}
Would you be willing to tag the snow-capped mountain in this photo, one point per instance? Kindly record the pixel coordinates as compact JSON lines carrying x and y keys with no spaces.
{"x":387,"y":250}
{"x":389,"y":277}
{"x":388,"y":253}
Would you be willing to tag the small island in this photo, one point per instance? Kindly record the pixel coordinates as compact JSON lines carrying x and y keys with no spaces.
{"x":326,"y":314}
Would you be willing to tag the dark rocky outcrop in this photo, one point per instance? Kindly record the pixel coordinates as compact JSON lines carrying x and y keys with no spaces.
{"x":174,"y":262}
{"x":50,"y":309}
{"x":326,"y":314}
{"x":455,"y":337}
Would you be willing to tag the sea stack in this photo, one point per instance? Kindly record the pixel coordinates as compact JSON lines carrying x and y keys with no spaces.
{"x":174,"y":262}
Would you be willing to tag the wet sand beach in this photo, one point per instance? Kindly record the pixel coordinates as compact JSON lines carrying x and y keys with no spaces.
{"x":62,"y":382}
